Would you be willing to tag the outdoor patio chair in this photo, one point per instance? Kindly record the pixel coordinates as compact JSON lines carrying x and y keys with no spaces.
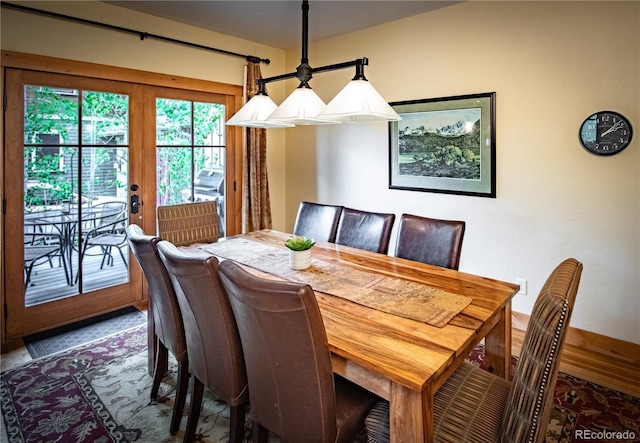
{"x":109,"y":237}
{"x":37,"y":248}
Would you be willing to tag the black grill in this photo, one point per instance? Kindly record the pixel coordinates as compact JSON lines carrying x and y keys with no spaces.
{"x":210,"y":182}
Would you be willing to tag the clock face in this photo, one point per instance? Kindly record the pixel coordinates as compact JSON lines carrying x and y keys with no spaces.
{"x":606,"y":133}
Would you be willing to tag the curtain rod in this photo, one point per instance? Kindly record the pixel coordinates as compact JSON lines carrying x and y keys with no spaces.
{"x":141,"y":34}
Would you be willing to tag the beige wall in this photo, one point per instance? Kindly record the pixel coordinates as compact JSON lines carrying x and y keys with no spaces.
{"x":551,"y":64}
{"x":38,"y":34}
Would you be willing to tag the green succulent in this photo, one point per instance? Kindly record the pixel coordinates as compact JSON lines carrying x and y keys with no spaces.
{"x":298,"y":243}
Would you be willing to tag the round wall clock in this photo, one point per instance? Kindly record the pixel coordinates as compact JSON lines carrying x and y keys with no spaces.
{"x":605,"y":133}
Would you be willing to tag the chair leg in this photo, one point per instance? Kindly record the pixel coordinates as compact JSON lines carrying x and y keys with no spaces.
{"x":236,"y":427}
{"x":106,"y":256}
{"x":82,"y":251}
{"x":260,"y":433}
{"x":66,"y":269}
{"x":181,"y":395}
{"x":197,"y":389}
{"x":124,"y":260}
{"x":160,"y":368}
{"x":27,"y":278}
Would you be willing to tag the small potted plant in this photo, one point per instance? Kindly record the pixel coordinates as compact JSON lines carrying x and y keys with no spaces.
{"x":299,"y":251}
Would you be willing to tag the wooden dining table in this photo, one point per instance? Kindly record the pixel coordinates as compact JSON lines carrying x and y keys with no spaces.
{"x":403,"y":360}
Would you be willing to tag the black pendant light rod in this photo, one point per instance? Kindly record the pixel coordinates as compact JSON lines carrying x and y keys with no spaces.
{"x":141,"y":34}
{"x":305,"y":32}
{"x":304,"y":72}
{"x":358,"y":63}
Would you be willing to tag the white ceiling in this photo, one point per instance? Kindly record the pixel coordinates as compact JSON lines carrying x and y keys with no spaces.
{"x":279,"y":23}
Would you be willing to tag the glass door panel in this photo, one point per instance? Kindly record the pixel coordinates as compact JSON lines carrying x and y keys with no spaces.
{"x":75,"y":191}
{"x":190,"y":153}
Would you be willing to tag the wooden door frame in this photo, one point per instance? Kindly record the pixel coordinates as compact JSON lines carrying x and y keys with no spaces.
{"x":233,"y":102}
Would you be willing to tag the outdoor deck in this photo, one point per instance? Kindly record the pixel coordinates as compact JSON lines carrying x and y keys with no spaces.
{"x":48,"y":281}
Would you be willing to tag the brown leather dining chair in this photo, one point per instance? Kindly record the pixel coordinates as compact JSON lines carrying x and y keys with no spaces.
{"x":370,"y":231}
{"x":429,"y":240}
{"x":317,"y":221}
{"x":215,"y":352}
{"x":166,"y":317}
{"x":474,"y":405}
{"x":189,"y":223}
{"x":293,"y":392}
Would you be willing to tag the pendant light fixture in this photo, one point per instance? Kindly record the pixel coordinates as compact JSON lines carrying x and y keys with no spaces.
{"x":357,"y":102}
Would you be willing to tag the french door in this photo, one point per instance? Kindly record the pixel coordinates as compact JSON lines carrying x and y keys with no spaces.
{"x":68,"y":164}
{"x":84,"y":157}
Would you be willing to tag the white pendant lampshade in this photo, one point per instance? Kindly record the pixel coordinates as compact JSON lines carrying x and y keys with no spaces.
{"x":255,"y":112}
{"x":359,"y":102}
{"x":301,"y":108}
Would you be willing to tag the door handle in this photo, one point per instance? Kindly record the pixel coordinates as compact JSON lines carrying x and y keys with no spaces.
{"x":135,"y":204}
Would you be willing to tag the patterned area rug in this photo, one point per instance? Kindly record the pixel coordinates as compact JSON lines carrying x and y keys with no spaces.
{"x":99,"y":393}
{"x":585,"y":411}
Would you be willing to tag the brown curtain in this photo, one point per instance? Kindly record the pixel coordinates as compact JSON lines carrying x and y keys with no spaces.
{"x":256,"y":205}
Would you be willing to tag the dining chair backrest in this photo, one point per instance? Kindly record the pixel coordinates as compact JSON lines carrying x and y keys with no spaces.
{"x":370,"y":231}
{"x":429,"y":240}
{"x":291,"y":383}
{"x":474,"y":405}
{"x":164,"y":304}
{"x":287,"y":355}
{"x":189,"y":223}
{"x":531,"y":395}
{"x":317,"y":221}
{"x":213,"y":342}
{"x":168,"y":326}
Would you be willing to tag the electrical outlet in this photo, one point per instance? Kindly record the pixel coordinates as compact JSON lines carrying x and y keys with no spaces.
{"x":523,"y":285}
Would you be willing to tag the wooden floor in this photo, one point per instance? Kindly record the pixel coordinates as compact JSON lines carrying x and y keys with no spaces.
{"x":605,"y":370}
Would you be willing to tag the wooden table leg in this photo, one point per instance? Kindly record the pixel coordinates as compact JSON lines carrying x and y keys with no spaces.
{"x":498,"y":345}
{"x":410,"y":415}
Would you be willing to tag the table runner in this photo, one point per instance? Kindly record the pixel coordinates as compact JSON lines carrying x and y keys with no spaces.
{"x":387,"y":294}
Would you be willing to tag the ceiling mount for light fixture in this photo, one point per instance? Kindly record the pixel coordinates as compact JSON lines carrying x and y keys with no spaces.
{"x":357,"y":102}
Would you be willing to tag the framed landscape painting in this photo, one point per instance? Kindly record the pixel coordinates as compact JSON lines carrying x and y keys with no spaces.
{"x":445,"y":145}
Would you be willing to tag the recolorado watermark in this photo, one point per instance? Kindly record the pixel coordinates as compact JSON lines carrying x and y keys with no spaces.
{"x":588,"y":434}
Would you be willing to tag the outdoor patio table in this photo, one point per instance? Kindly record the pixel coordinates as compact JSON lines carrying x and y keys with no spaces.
{"x":66,"y":225}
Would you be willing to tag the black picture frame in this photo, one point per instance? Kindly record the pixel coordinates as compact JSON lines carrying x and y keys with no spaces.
{"x":445,"y":145}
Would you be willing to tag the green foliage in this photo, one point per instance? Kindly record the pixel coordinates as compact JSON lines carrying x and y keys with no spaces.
{"x":298,"y":243}
{"x":52,"y":118}
{"x":48,"y":112}
{"x":433,"y":155}
{"x":54,"y":113}
{"x":175,"y":158}
{"x":105,"y":117}
{"x":428,"y":142}
{"x":173,"y":174}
